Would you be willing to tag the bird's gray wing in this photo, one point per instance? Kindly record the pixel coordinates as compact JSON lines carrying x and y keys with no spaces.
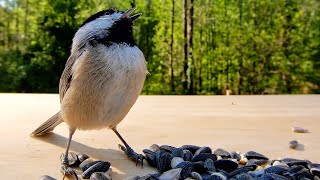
{"x":66,"y":76}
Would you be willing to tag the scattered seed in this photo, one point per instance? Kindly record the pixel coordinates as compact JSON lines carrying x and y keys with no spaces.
{"x":133,"y":178}
{"x":203,"y":157}
{"x":273,"y":176}
{"x":175,"y":161}
{"x":241,"y":170}
{"x":191,"y":148}
{"x":109,"y":171}
{"x":278,"y":163}
{"x":187,"y":155}
{"x":154,"y":148}
{"x":164,"y":162}
{"x":203,"y":150}
{"x":291,"y":162}
{"x":150,"y":157}
{"x":178,"y":152}
{"x":167,"y":148}
{"x":244,"y":176}
{"x":259,"y":168}
{"x":196,"y":176}
{"x":255,"y":155}
{"x":243,"y":160}
{"x":72,"y":159}
{"x":173,"y":174}
{"x":235,"y":155}
{"x":82,"y":157}
{"x":101,"y":166}
{"x":226,"y":165}
{"x":217,"y":175}
{"x":221,"y":152}
{"x":299,"y":130}
{"x":293,"y":144}
{"x":276,"y":169}
{"x":209,"y":165}
{"x":100,"y":176}
{"x":87,"y":163}
{"x":199,"y":167}
{"x":186,"y":167}
{"x":46,"y":177}
{"x":315,"y":171}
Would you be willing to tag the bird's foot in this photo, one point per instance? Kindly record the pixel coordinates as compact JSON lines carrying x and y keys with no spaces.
{"x":66,"y":170}
{"x":138,"y":158}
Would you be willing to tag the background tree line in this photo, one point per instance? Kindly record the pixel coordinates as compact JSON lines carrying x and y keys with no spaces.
{"x":191,"y":47}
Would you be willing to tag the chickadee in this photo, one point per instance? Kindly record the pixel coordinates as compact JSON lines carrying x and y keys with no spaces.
{"x":102,"y":79}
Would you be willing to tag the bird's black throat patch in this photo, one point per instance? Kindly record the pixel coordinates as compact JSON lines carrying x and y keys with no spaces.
{"x":119,"y":33}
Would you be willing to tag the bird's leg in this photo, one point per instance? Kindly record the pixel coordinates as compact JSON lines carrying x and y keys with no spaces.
{"x":65,"y":169}
{"x":128,"y":150}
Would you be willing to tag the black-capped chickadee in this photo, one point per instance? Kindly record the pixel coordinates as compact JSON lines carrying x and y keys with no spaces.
{"x":102,"y":79}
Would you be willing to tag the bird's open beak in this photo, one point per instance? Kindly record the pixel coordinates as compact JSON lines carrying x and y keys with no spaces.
{"x":128,"y":12}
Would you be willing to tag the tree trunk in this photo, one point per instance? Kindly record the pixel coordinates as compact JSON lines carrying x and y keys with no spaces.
{"x":16,"y":36}
{"x":200,"y":60}
{"x":186,"y":49}
{"x":171,"y":49}
{"x":240,"y":79}
{"x":8,"y":33}
{"x":26,"y":22}
{"x":148,"y":42}
{"x":254,"y":63}
{"x":148,"y":45}
{"x":214,"y":64}
{"x":193,"y":68}
{"x":227,"y":44}
{"x":289,"y":25}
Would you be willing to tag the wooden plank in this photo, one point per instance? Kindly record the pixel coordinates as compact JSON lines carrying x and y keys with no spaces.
{"x":235,"y":123}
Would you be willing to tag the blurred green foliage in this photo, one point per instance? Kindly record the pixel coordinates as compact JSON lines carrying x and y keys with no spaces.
{"x":242,"y":46}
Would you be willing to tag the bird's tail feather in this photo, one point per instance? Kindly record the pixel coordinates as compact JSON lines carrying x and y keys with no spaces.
{"x":48,"y":125}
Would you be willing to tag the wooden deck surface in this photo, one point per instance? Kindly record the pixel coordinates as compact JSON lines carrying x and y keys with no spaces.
{"x":234,"y":123}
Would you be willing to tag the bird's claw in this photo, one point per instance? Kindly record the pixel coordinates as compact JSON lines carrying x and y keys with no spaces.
{"x":66,"y":170}
{"x":138,"y":158}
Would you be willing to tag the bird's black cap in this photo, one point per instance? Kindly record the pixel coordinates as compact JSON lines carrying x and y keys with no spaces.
{"x":97,"y":15}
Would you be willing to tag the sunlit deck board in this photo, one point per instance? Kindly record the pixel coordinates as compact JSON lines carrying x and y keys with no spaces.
{"x":234,"y":123}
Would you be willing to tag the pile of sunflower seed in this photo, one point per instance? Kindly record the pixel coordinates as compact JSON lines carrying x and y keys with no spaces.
{"x":201,"y":163}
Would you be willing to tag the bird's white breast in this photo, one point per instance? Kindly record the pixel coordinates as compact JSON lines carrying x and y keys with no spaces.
{"x":106,"y":83}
